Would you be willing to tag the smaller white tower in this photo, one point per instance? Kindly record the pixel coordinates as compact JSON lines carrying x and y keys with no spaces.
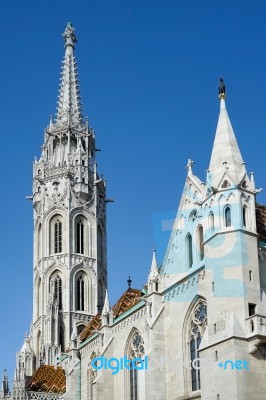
{"x":4,"y":393}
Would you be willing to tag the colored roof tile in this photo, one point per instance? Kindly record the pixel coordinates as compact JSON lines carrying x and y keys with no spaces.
{"x":48,"y":379}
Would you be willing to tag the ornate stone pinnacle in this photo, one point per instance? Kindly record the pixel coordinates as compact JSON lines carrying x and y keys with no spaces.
{"x":69,"y":35}
{"x":221,"y":89}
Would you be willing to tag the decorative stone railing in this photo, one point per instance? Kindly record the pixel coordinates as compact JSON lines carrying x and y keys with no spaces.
{"x":43,"y":396}
{"x":256,"y":325}
{"x":81,"y":316}
{"x":63,"y":259}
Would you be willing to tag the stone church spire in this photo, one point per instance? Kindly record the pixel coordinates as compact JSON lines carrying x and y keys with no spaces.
{"x":69,"y":103}
{"x":225,"y":152}
{"x":69,"y":207}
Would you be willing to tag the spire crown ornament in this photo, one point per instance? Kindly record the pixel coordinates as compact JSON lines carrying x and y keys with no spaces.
{"x":69,"y":35}
{"x":221,"y":89}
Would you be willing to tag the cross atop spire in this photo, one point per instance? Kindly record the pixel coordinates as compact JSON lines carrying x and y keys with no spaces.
{"x":69,"y":103}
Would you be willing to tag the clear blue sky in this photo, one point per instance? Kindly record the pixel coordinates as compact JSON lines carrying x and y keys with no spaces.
{"x":149,"y":73}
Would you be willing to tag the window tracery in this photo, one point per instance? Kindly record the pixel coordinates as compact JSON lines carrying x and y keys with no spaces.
{"x":197,"y":326}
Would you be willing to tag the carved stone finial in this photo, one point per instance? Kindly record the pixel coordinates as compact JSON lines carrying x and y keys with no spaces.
{"x":221,"y":89}
{"x":69,"y":35}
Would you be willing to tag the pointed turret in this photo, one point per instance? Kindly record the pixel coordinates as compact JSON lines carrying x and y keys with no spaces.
{"x":154,"y":266}
{"x":69,"y":104}
{"x":153,"y":275}
{"x":5,"y":386}
{"x":106,"y":306}
{"x":225,"y":152}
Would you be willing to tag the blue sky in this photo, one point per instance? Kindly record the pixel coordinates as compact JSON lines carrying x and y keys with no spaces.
{"x":149,"y":73}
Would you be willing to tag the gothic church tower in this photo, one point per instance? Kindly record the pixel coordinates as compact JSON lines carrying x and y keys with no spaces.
{"x":70,"y":272}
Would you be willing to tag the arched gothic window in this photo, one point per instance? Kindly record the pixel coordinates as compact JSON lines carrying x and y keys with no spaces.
{"x":80,"y":293}
{"x":200,"y":242}
{"x":56,"y":235}
{"x":80,"y":328}
{"x":189,"y":250}
{"x":80,"y":236}
{"x":211,"y":222}
{"x":227,"y":216}
{"x":135,"y":350}
{"x":197,"y":326}
{"x":56,"y":289}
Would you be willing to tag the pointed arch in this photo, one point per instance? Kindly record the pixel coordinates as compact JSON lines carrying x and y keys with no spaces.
{"x":90,"y":287}
{"x":222,"y":199}
{"x":79,"y":239}
{"x":231,"y":197}
{"x":211,"y":222}
{"x":200,"y":242}
{"x":227,"y":216}
{"x":56,"y":288}
{"x":134,"y":349}
{"x":189,"y":251}
{"x":80,"y":291}
{"x":193,"y":215}
{"x":80,"y":328}
{"x":194,"y":327}
{"x":56,"y":234}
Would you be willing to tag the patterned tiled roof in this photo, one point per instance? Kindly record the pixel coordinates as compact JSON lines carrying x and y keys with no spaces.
{"x":48,"y":379}
{"x":126,"y":301}
{"x":94,"y":324}
{"x":261,"y":221}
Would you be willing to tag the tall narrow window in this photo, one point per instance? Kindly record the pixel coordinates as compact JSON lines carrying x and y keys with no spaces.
{"x":56,"y":234}
{"x":245,"y":216}
{"x":200,"y":243}
{"x":133,"y":384}
{"x":80,"y":237}
{"x":58,"y":291}
{"x":195,"y":372}
{"x":80,"y":302}
{"x":227,"y":216}
{"x":135,"y":350}
{"x":198,"y":322}
{"x":189,"y":250}
{"x":211,"y":222}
